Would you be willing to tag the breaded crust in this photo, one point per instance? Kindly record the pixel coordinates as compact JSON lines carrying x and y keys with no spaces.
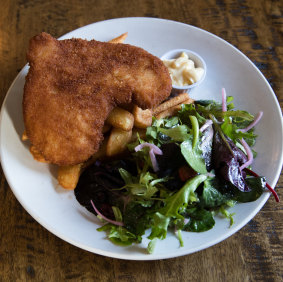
{"x":72,"y":85}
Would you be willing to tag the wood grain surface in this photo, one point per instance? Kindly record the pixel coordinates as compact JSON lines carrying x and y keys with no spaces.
{"x":29,"y":252}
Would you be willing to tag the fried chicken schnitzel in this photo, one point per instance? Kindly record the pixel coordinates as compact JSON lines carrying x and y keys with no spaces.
{"x":72,"y":85}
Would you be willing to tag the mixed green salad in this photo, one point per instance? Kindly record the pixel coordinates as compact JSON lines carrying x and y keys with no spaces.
{"x":190,"y":168}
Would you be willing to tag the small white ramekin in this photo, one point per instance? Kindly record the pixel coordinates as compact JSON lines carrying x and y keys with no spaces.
{"x":196,"y":58}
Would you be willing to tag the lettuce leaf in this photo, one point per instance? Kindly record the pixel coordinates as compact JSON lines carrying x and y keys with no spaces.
{"x":188,"y":110}
{"x":231,"y":129}
{"x":159,"y":226}
{"x":174,"y":207}
{"x":146,"y":185}
{"x":178,"y":201}
{"x":119,"y":235}
{"x":177,"y":134}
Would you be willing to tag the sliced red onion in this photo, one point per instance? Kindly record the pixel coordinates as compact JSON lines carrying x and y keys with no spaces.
{"x":153,"y":160}
{"x":186,"y":220}
{"x":224,"y":105}
{"x":209,"y":174}
{"x":254,"y":123}
{"x":206,"y":125}
{"x":155,"y":149}
{"x":267,"y":185}
{"x":104,"y":217}
{"x":249,"y":154}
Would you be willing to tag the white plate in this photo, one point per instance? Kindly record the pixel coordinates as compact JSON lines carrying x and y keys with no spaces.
{"x":35,"y":186}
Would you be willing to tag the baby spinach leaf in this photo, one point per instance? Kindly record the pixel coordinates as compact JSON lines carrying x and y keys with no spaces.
{"x":257,"y":187}
{"x":211,"y":197}
{"x":193,"y":156}
{"x":199,"y":219}
{"x":135,"y":213}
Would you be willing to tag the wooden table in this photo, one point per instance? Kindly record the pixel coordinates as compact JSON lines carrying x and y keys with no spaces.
{"x":255,"y":253}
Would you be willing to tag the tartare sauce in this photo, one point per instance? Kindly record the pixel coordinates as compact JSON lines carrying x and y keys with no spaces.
{"x":183,"y":71}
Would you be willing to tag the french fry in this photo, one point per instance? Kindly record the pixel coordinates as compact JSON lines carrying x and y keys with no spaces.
{"x":24,"y":136}
{"x":171,"y":103}
{"x":37,"y":155}
{"x":142,"y":118}
{"x":173,"y":110}
{"x":117,"y":141}
{"x":120,"y":118}
{"x":68,"y":176}
{"x":120,"y":39}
